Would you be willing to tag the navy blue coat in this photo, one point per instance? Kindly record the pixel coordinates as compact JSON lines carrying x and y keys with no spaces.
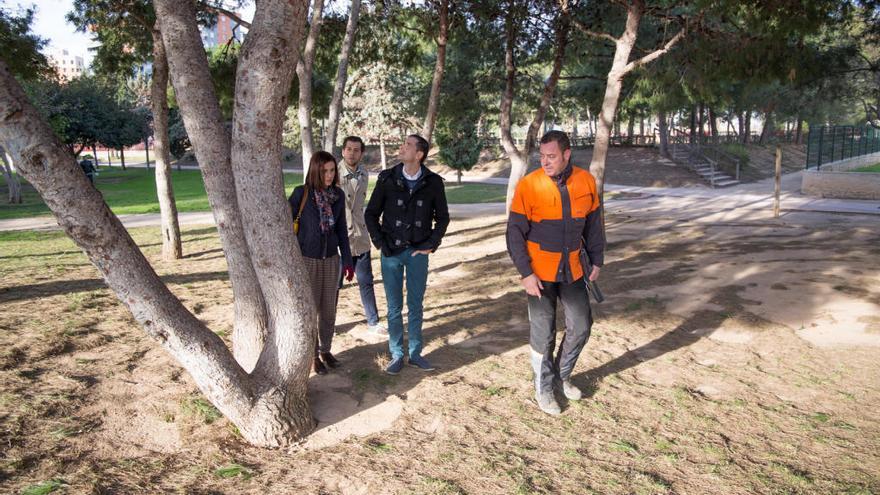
{"x":312,"y":242}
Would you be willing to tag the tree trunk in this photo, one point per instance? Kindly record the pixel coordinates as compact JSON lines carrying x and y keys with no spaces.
{"x":382,"y":156}
{"x":767,"y":128}
{"x":799,"y":130}
{"x":664,"y":135}
{"x":95,"y":153}
{"x":747,"y":130}
{"x":641,"y":125}
{"x":574,"y":125}
{"x":713,"y":126}
{"x":304,"y":68}
{"x":693,"y":126}
{"x":630,"y":128}
{"x":701,"y":118}
{"x":459,"y":176}
{"x":623,"y":47}
{"x":122,"y":157}
{"x":341,"y":77}
{"x":519,"y":159}
{"x":12,"y":182}
{"x":434,"y":99}
{"x":171,"y":245}
{"x":147,"y":147}
{"x":109,"y":160}
{"x":206,"y":129}
{"x":82,"y":213}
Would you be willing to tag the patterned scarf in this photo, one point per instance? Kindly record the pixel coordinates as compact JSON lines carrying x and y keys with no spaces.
{"x":325,"y":198}
{"x":562,"y":177}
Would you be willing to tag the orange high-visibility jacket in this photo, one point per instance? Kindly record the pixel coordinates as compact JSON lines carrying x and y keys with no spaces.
{"x":548,"y":225}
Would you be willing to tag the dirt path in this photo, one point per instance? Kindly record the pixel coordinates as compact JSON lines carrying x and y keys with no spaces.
{"x":734,"y":355}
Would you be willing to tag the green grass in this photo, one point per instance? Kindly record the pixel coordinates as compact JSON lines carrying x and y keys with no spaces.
{"x":200,"y":408}
{"x":870,"y":168}
{"x":134,"y":191}
{"x":44,"y":487}
{"x":234,"y":470}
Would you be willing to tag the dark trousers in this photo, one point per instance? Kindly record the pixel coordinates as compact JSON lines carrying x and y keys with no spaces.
{"x":363,"y":272}
{"x":542,"y":335}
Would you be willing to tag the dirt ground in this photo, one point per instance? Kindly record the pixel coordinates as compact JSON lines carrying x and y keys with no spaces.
{"x":731,"y":356}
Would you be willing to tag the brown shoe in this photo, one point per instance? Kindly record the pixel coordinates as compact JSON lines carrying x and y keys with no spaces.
{"x":319,"y":366}
{"x":329,"y":360}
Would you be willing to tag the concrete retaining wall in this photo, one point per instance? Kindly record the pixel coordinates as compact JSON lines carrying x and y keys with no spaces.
{"x":834,"y":180}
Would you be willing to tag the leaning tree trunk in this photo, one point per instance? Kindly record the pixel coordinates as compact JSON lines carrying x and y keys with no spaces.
{"x":12,"y":183}
{"x":86,"y":218}
{"x":341,"y":78}
{"x":664,"y":134}
{"x":304,"y":68}
{"x":203,"y":120}
{"x":519,"y":158}
{"x":171,"y":245}
{"x":434,"y":99}
{"x":768,"y":128}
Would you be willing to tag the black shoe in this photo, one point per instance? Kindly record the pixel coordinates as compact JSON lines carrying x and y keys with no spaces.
{"x":319,"y":366}
{"x":329,"y":360}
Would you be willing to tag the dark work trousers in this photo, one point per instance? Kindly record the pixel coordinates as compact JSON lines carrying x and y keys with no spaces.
{"x":542,"y":337}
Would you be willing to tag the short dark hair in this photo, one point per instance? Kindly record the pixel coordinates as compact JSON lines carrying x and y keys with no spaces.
{"x":356,"y":140}
{"x":559,"y":137}
{"x":315,"y":181}
{"x":421,"y":145}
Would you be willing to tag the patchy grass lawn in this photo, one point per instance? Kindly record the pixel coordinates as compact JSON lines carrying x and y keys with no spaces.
{"x":717,"y":365}
{"x":870,"y":168}
{"x":134,"y":191}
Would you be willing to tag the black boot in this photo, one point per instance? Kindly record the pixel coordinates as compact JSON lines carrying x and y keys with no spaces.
{"x":329,"y":360}
{"x":319,"y":366}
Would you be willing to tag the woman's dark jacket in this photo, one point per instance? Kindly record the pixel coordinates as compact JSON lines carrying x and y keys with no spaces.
{"x":417,"y":220}
{"x":312,"y":242}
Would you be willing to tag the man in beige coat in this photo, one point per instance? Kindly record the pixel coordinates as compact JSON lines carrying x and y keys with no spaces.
{"x":353,"y":179}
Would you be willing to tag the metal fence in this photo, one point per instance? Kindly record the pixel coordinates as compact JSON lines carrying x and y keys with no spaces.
{"x":828,"y":144}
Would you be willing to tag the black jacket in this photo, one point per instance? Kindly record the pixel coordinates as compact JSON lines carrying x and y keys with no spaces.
{"x":416,"y":220}
{"x":312,"y":242}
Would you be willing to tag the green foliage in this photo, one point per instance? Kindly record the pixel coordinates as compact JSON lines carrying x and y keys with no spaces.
{"x":459,"y":143}
{"x":21,"y":48}
{"x":234,"y":470}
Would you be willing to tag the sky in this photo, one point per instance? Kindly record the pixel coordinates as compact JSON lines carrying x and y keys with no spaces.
{"x":50,"y":24}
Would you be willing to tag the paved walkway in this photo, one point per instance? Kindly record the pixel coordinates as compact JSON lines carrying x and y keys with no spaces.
{"x":756,"y":196}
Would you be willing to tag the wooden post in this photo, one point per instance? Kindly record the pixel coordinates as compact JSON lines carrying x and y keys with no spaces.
{"x":778,"y":180}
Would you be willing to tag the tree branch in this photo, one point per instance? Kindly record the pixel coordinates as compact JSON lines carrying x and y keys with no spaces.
{"x":228,"y":13}
{"x":656,"y":53}
{"x":593,"y":34}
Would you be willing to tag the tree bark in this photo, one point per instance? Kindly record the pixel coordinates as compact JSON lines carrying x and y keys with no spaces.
{"x":171,"y":245}
{"x":519,"y":158}
{"x":713,"y":126}
{"x":747,"y":130}
{"x":263,"y":80}
{"x":304,"y":67}
{"x":434,"y":99}
{"x":382,"y":156}
{"x":122,"y":157}
{"x":206,"y":129}
{"x":799,"y":130}
{"x":341,"y":77}
{"x":664,"y":135}
{"x":767,"y":128}
{"x":12,"y":182}
{"x":147,"y":143}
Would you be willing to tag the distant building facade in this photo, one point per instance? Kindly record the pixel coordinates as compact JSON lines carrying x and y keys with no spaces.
{"x":221,"y":32}
{"x":68,"y":66}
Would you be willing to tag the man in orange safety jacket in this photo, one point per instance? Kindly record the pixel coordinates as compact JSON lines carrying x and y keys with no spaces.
{"x":555,"y":213}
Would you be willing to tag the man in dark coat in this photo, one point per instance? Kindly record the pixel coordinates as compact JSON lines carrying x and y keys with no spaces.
{"x":407,"y":217}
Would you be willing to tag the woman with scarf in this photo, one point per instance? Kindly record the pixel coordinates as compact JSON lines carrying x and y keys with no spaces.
{"x":319,"y":220}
